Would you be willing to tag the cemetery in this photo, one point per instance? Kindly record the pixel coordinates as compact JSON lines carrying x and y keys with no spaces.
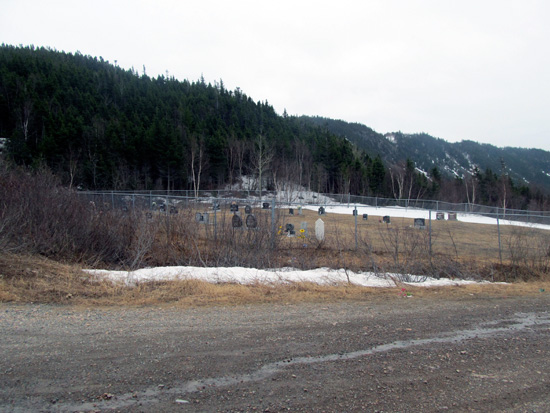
{"x":269,"y":233}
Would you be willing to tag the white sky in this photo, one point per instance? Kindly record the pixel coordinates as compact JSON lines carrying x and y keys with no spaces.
{"x":456,"y":69}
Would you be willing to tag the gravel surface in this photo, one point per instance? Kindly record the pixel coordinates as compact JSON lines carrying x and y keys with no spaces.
{"x":408,"y":354}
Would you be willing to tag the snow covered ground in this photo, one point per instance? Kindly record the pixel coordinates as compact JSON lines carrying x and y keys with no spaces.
{"x":324,"y":276}
{"x":399,"y":212}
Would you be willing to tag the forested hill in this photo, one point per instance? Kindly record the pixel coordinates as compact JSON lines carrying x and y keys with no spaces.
{"x":524,"y":166}
{"x":100,"y":126}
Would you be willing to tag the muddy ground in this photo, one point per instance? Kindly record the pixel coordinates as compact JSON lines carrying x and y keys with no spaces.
{"x":402,"y":354}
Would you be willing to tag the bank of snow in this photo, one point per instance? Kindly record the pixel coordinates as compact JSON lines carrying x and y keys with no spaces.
{"x":322,"y":276}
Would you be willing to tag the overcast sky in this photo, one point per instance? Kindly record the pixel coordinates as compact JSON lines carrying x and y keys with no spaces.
{"x":456,"y":70}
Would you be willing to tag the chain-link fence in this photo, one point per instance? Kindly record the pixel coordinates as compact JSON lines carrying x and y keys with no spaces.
{"x":310,"y":230}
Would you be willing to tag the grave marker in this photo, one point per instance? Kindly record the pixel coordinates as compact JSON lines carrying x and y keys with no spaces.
{"x":321,"y":211}
{"x":265,"y":205}
{"x":319,"y":230}
{"x":420,"y":223}
{"x":291,"y":211}
{"x":251,"y":221}
{"x":440,"y":216}
{"x":386,"y":219}
{"x":452,"y":216}
{"x":236,"y":221}
{"x":248,"y":210}
{"x":365,"y":217}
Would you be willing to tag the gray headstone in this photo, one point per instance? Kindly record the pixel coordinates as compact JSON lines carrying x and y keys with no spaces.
{"x":248,"y":209}
{"x":452,"y":216}
{"x":440,"y":216}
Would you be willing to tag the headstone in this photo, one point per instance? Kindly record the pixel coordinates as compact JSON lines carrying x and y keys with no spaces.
{"x":248,"y":210}
{"x":201,"y":218}
{"x":251,"y":221}
{"x":354,"y":212}
{"x":289,"y":227}
{"x":440,"y":216}
{"x":420,"y":223}
{"x":386,"y":219}
{"x":452,"y":216}
{"x":319,"y":230}
{"x":291,"y":211}
{"x":265,"y":205}
{"x":321,"y":211}
{"x":299,"y":210}
{"x":236,"y":221}
{"x":365,"y":217}
{"x":233,"y":207}
{"x":162,"y":207}
{"x":173,"y":210}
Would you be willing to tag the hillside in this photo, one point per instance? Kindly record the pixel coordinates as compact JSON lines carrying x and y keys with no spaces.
{"x":525,"y":166}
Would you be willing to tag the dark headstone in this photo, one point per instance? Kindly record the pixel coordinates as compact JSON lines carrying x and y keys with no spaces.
{"x":289,"y":227}
{"x":440,"y":216}
{"x":251,"y":221}
{"x":321,"y":211}
{"x":354,"y":212}
{"x":162,"y":207}
{"x":365,"y":217}
{"x":173,"y":210}
{"x":265,"y":205}
{"x":420,"y":223}
{"x":248,"y":209}
{"x":233,"y":207}
{"x":291,"y":211}
{"x":386,"y":219}
{"x":236,"y":221}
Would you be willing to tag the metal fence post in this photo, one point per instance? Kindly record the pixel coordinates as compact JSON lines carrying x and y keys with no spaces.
{"x":430,"y":234}
{"x":499,"y":245}
{"x":355,"y":216}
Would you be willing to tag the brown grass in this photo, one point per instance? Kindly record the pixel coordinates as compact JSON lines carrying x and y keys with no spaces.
{"x":39,"y":280}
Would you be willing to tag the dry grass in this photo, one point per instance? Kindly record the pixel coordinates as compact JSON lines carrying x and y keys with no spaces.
{"x":39,"y":280}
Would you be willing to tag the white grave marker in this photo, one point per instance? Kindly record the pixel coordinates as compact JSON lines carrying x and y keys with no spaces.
{"x":320,"y":230}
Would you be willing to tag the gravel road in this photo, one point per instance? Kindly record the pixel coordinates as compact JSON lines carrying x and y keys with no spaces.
{"x":402,"y":354}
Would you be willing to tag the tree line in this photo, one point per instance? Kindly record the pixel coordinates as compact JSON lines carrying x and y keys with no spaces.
{"x":99,"y":126}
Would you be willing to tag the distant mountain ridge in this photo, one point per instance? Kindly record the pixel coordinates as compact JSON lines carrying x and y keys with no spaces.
{"x":525,"y":166}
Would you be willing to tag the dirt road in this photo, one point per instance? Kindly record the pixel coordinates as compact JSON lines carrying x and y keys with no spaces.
{"x":402,"y":354}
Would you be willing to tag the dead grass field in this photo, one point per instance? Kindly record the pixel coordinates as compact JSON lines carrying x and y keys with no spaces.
{"x":39,"y":280}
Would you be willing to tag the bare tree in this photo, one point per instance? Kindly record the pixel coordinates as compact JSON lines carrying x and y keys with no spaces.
{"x":261,"y":159}
{"x":198,"y":162}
